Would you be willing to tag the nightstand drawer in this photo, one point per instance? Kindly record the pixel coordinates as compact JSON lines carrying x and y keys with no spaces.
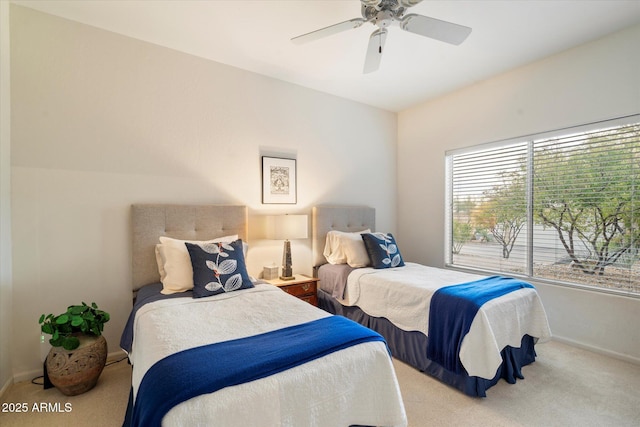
{"x":311,"y":299}
{"x":300,"y":289}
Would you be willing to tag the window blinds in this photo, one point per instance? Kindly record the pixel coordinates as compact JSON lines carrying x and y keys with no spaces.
{"x":561,"y":206}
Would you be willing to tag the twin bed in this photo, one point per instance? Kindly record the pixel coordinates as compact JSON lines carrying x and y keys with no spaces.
{"x":251,"y":356}
{"x":243,"y":352}
{"x":396,"y":302}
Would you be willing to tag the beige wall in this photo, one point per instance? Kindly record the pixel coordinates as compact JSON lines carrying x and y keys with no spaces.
{"x":593,"y":82}
{"x":101,"y":121}
{"x":6,"y":285}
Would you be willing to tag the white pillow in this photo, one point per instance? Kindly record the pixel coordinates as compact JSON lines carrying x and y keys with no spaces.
{"x":174,"y":262}
{"x":346,"y":248}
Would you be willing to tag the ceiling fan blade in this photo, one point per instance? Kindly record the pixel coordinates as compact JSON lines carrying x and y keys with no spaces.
{"x":330,"y":30}
{"x":434,"y":28}
{"x":374,"y":51}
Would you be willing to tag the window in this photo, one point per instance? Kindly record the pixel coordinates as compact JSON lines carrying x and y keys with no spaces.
{"x":562,"y":206}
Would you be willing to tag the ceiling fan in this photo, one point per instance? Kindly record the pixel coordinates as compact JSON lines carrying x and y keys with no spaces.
{"x":383,"y":13}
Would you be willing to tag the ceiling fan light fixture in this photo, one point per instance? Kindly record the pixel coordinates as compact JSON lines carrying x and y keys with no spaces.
{"x":408,"y":3}
{"x":389,"y":4}
{"x":384,"y":18}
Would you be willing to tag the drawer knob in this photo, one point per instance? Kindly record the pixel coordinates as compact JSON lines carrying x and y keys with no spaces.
{"x":306,"y":287}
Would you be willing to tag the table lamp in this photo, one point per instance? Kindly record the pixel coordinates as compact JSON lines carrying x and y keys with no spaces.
{"x":286,"y":227}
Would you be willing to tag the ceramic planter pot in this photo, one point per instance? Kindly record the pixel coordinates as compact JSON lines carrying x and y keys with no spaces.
{"x":76,"y":371}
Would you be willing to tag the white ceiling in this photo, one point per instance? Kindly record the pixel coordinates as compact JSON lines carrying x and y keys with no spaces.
{"x":255,"y":36}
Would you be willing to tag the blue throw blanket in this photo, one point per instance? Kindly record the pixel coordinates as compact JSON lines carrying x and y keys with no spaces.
{"x":209,"y":368}
{"x":452,"y":311}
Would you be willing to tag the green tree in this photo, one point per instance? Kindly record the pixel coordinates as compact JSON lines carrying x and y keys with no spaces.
{"x":504,"y":210}
{"x":462,"y":233}
{"x":588,"y":192}
{"x":462,"y":228}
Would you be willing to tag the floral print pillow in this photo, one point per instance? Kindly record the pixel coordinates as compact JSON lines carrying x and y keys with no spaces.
{"x":217,"y":268}
{"x":383,"y":250}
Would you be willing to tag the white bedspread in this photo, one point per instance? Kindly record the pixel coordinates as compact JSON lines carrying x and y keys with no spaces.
{"x":354,"y":385}
{"x":403,"y":296}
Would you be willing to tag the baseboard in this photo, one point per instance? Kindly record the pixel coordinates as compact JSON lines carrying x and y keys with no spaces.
{"x":29,"y":375}
{"x":604,"y":352}
{"x":5,"y":387}
{"x":116,"y":355}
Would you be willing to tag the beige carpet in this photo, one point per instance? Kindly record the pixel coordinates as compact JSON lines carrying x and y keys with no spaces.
{"x":564,"y":387}
{"x":102,"y":406}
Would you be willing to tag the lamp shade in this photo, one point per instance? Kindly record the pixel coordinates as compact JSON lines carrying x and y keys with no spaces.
{"x":285,"y":227}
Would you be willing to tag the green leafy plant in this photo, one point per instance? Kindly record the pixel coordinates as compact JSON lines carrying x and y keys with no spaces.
{"x":77,"y":320}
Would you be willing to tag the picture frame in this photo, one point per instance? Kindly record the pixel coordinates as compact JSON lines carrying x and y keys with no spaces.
{"x":279,"y":181}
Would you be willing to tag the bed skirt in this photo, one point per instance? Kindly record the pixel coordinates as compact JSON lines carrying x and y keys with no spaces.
{"x":411,"y":348}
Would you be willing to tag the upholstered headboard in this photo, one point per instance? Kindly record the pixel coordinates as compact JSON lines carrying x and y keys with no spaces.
{"x":188,"y":222}
{"x":341,"y":218}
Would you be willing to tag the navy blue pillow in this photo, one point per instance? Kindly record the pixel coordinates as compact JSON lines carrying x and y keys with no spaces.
{"x":218,"y":268}
{"x":382,"y":250}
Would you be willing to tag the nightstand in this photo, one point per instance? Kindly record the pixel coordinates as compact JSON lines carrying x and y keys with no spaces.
{"x":302,"y":287}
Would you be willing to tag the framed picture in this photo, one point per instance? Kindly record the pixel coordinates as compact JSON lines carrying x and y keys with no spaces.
{"x":279,"y":180}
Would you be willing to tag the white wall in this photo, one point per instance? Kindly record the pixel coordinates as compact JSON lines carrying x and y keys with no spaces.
{"x":101,"y":121}
{"x":6,"y":374}
{"x":593,"y":82}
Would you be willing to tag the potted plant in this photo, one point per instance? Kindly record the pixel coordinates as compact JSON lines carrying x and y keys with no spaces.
{"x":79,"y":351}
